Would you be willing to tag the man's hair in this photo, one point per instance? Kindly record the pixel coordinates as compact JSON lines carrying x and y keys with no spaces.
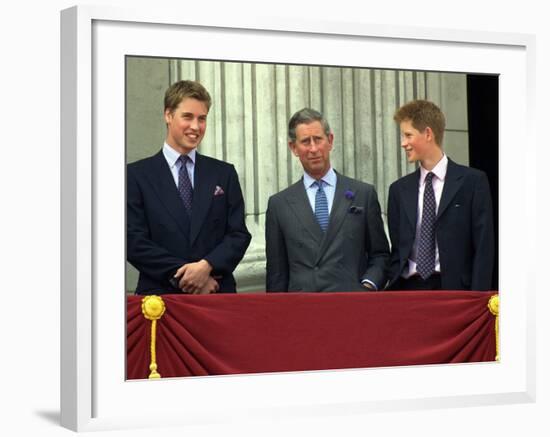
{"x":306,"y":116}
{"x":185,"y":89}
{"x":423,"y":114}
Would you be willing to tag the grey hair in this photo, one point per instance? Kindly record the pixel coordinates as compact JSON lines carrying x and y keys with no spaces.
{"x":306,"y":116}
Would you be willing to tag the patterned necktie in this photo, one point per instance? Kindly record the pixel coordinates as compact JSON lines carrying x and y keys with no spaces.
{"x":426,"y":246}
{"x":184,"y":183}
{"x":321,"y":206}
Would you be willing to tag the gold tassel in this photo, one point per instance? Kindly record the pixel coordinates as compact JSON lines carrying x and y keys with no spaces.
{"x":493,"y":308}
{"x":153,"y":308}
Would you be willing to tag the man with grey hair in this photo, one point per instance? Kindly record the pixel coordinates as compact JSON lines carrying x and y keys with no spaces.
{"x":325,"y":232}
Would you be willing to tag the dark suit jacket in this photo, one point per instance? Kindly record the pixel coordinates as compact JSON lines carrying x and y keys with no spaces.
{"x":161,"y":236}
{"x":464,"y":227}
{"x":300,"y":257}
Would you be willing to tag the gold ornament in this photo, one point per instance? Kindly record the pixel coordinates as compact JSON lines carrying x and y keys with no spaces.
{"x":153,"y":308}
{"x":493,"y":306}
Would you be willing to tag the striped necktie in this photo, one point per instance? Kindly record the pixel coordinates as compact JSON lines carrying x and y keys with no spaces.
{"x":321,"y":206}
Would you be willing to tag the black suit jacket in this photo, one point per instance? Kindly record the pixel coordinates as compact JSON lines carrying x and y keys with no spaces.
{"x":464,"y":227}
{"x":161,"y":236}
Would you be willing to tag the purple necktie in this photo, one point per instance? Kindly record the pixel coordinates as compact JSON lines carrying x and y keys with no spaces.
{"x":184,"y":183}
{"x":426,"y":246}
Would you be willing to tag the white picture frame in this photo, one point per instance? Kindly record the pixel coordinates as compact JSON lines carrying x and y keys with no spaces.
{"x":94,"y":394}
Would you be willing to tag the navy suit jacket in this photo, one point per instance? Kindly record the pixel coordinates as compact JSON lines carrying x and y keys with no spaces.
{"x":161,"y":236}
{"x":464,"y":227}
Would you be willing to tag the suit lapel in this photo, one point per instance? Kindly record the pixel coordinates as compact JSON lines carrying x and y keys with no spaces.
{"x":299,"y":203}
{"x":409,"y":197}
{"x":162,"y":181}
{"x":453,"y":181}
{"x":203,"y":193}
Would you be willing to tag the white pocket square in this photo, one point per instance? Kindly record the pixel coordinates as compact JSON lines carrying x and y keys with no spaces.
{"x":218,"y":191}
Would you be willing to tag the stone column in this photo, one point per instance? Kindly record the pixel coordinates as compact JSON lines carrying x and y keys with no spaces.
{"x":247,"y":126}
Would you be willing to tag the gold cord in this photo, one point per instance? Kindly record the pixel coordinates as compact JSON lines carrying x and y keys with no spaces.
{"x":493,"y":306}
{"x":153,"y":308}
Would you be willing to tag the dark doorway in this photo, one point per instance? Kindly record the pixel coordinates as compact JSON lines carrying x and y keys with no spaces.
{"x":483,"y":138}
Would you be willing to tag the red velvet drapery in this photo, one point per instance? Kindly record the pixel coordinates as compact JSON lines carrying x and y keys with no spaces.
{"x":254,"y":333}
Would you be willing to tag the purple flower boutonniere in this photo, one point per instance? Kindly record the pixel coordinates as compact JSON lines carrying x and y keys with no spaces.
{"x":350,"y":195}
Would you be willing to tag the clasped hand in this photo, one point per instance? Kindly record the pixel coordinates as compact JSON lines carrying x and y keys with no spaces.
{"x":195,"y":278}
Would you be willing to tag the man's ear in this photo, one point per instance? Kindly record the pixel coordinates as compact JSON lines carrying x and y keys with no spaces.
{"x":429,"y":134}
{"x":331,"y":139}
{"x":292,"y":147}
{"x":168,"y":115}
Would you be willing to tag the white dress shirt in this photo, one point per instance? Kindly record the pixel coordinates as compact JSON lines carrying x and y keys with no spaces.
{"x":172,"y":157}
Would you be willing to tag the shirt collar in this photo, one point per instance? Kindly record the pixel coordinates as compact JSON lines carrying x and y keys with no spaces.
{"x":172,"y":156}
{"x":439,"y":171}
{"x":329,"y":178}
